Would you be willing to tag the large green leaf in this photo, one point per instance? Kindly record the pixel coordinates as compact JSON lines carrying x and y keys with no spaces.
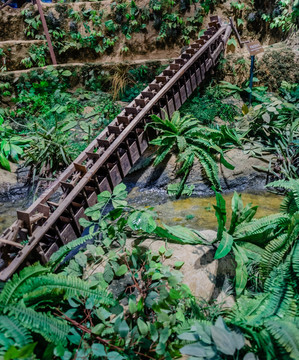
{"x":225,"y":245}
{"x":4,"y":162}
{"x":142,"y":220}
{"x":186,"y":235}
{"x":241,"y":270}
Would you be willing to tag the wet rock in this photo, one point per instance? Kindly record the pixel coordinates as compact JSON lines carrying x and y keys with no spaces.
{"x":244,"y":177}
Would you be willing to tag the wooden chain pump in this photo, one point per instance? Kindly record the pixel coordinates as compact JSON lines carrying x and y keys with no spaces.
{"x":53,"y":219}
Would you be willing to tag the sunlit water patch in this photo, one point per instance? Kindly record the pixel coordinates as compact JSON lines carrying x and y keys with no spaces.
{"x":199,"y":213}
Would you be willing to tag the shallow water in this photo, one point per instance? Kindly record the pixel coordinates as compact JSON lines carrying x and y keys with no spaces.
{"x":8,"y":212}
{"x":194,"y":212}
{"x":199,"y":213}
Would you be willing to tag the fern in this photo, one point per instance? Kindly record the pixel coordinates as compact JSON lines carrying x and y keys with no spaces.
{"x":40,"y":287}
{"x":274,"y":253}
{"x":262,"y":230}
{"x":13,"y":329}
{"x":60,"y":254}
{"x":288,"y":204}
{"x":290,"y":185}
{"x":295,"y":260}
{"x":5,"y":344}
{"x":189,"y":139}
{"x":12,"y":287}
{"x":286,"y":334}
{"x":51,"y":328}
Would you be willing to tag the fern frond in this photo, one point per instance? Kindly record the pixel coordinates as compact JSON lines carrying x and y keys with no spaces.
{"x":13,"y":287}
{"x":52,"y":329}
{"x":5,"y":344}
{"x":295,"y":260}
{"x":61,"y":253}
{"x":262,"y":230}
{"x":68,"y":286}
{"x":209,"y":165}
{"x":286,"y":335}
{"x":274,"y":253}
{"x":163,"y":152}
{"x":291,"y":185}
{"x":281,"y":288}
{"x":13,"y":329}
{"x":288,"y":204}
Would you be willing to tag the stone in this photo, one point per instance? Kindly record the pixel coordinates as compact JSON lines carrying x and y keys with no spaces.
{"x":207,"y":278}
{"x":153,"y":181}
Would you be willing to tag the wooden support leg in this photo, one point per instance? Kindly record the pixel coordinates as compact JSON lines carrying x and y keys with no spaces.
{"x":42,"y":16}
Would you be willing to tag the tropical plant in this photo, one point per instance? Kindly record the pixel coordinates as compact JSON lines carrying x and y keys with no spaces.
{"x":266,"y":241}
{"x":215,"y":341}
{"x":37,"y":56}
{"x":11,"y":145}
{"x":189,"y":140}
{"x":26,"y":303}
{"x":112,"y":228}
{"x":269,"y":319}
{"x":284,"y":16}
{"x":228,"y":242}
{"x":134,"y":308}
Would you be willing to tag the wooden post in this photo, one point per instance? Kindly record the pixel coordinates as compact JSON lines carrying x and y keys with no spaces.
{"x":42,"y":16}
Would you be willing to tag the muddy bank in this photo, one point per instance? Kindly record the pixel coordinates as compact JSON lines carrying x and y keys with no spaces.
{"x":151,"y":182}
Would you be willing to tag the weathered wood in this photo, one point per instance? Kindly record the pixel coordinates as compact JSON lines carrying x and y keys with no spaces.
{"x":12,"y":243}
{"x":110,"y":156}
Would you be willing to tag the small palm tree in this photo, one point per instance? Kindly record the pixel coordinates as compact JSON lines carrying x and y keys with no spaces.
{"x":187,"y":138}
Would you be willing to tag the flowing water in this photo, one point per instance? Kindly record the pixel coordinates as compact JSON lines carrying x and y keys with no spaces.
{"x":193,"y":212}
{"x":8,"y":212}
{"x":198,"y":213}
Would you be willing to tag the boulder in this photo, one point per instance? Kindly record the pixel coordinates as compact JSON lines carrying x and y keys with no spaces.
{"x":207,"y":278}
{"x":152,"y":181}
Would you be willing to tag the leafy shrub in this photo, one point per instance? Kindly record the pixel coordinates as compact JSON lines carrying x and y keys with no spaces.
{"x":209,"y":105}
{"x":11,"y":145}
{"x":189,"y":140}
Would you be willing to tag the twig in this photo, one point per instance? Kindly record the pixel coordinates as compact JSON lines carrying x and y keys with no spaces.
{"x":106,"y":342}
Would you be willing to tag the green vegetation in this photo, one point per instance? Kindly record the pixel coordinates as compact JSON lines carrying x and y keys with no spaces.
{"x":100,"y":30}
{"x":50,"y":125}
{"x":105,"y":295}
{"x":187,"y":138}
{"x":284,"y":16}
{"x":271,"y":126}
{"x":111,"y":302}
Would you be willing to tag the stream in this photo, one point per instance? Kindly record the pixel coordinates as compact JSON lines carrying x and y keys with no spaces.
{"x":195,"y":212}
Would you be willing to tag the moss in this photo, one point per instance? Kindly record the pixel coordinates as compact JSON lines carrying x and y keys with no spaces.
{"x":278,"y":64}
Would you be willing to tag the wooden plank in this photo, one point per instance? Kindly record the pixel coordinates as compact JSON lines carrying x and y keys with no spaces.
{"x":12,"y":243}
